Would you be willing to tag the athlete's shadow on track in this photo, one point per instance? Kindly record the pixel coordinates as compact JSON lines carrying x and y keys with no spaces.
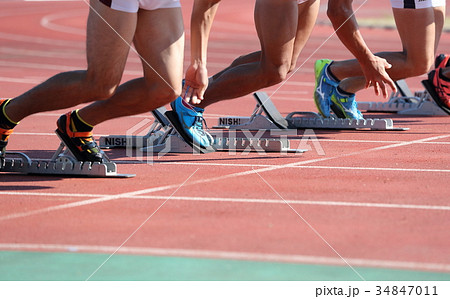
{"x":10,"y":177}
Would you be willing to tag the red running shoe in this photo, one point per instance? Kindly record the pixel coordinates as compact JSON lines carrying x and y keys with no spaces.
{"x":442,"y":89}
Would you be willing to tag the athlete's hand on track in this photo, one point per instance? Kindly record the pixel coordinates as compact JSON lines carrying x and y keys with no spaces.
{"x":376,"y":75}
{"x":195,"y":84}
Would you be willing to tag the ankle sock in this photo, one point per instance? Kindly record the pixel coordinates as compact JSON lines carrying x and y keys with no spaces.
{"x":343,"y":92}
{"x":331,"y":75}
{"x":79,"y":124}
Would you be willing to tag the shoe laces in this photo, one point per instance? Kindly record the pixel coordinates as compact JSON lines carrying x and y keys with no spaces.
{"x":90,"y":144}
{"x":198,"y":125}
{"x":199,"y":121}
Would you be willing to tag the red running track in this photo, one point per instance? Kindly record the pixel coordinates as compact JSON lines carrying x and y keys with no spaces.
{"x":372,"y":195}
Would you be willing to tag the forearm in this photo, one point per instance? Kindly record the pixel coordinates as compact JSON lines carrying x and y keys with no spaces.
{"x":202,"y":17}
{"x":373,"y":67}
{"x":344,"y":22}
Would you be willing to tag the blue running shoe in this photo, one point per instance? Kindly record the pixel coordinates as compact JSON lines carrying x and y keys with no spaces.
{"x":345,"y":106}
{"x":324,"y":86}
{"x":191,"y":120}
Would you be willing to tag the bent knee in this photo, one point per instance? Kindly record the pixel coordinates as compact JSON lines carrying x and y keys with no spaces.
{"x":419,"y":66}
{"x":101,"y":87}
{"x":162,"y":96}
{"x":276,"y":74}
{"x":103,"y":92}
{"x":99,"y":91}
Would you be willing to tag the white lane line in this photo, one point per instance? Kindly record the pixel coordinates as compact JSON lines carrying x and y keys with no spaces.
{"x":52,"y":0}
{"x":86,"y":202}
{"x":54,"y":67}
{"x":70,"y":196}
{"x":209,"y":180}
{"x":302,"y":166}
{"x":48,"y":21}
{"x":73,"y":54}
{"x":30,"y":39}
{"x":21,"y":80}
{"x":230,"y":255}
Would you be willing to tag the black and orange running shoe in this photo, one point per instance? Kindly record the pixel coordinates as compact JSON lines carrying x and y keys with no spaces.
{"x":81,"y":144}
{"x":441,"y":88}
{"x":5,"y":131}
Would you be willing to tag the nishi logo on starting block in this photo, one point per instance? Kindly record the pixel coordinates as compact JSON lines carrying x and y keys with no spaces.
{"x":232,"y":121}
{"x":115,"y":142}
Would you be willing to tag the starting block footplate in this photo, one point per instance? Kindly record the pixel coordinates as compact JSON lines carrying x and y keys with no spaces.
{"x":63,"y":165}
{"x":406,"y":103}
{"x":319,"y":122}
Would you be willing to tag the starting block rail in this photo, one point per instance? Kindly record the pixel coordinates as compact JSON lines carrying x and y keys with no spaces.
{"x":156,"y":130}
{"x":318,"y":122}
{"x":255,"y":144}
{"x":266,"y":116}
{"x":63,"y":163}
{"x":405,"y":102}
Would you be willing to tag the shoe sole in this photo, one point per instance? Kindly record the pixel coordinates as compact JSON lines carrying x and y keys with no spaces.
{"x":337,"y":110}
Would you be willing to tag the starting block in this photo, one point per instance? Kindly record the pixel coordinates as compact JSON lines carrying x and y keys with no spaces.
{"x":266,"y":116}
{"x":173,"y":139}
{"x":157,"y":129}
{"x":406,"y":103}
{"x":162,"y":137}
{"x":166,"y":136}
{"x":62,"y":163}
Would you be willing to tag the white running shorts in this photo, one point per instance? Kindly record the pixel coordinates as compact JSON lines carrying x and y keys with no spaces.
{"x":416,"y":4}
{"x":134,"y":5}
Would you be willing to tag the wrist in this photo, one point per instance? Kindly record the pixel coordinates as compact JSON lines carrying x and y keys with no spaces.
{"x":198,"y":62}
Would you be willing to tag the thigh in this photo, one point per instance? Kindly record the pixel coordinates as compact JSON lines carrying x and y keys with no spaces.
{"x":417,"y":30}
{"x":109,"y":36}
{"x":276,"y":25}
{"x":159,"y":41}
